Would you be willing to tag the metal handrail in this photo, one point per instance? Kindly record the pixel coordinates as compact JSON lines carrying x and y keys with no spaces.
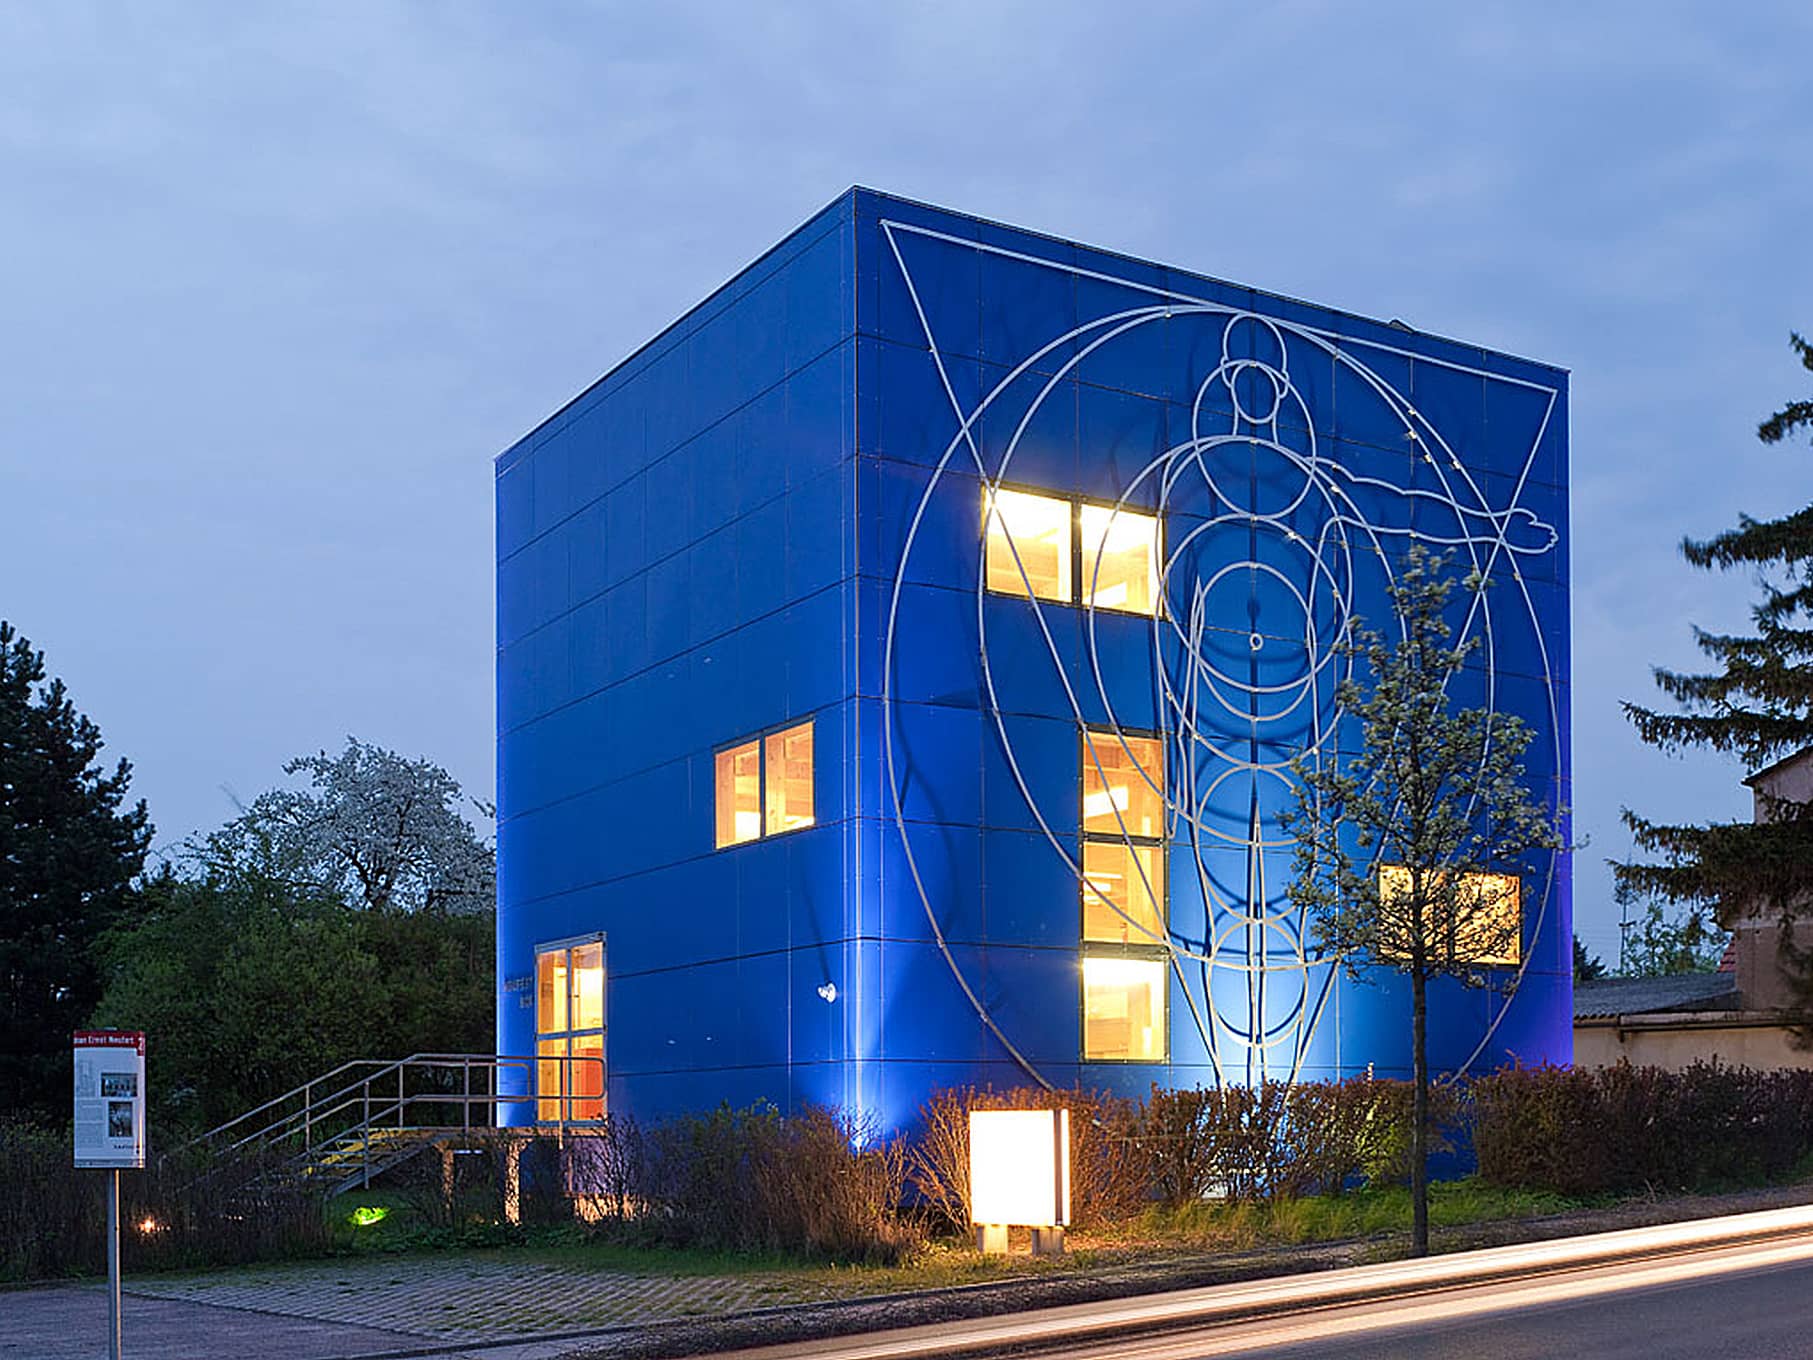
{"x":329,"y":1110}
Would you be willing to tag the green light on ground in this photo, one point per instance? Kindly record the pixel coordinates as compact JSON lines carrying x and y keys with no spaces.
{"x":364,"y":1216}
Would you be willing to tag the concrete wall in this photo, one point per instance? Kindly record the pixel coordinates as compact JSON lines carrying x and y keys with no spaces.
{"x":1738,"y":1041}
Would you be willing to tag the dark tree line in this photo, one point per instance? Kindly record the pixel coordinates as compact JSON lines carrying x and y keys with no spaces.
{"x":352,"y":918}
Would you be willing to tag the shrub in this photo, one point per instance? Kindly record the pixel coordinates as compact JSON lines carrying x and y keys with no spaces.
{"x":1279,"y":1140}
{"x":1591,"y":1131}
{"x":53,"y":1215}
{"x":816,"y":1183}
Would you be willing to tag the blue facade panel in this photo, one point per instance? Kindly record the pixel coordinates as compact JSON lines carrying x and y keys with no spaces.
{"x":675,"y":573}
{"x":775,"y":511}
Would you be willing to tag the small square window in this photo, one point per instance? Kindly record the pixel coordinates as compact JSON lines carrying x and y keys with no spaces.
{"x":1488,"y":931}
{"x":739,"y":794}
{"x":1124,"y":1007}
{"x":788,"y":780}
{"x":1120,"y":559}
{"x":1031,"y":534}
{"x":1123,"y":785}
{"x":1123,"y":893}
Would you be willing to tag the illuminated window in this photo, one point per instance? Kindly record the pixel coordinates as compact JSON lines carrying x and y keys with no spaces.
{"x":1120,"y":559}
{"x":1487,"y":927}
{"x":787,"y":776}
{"x":1123,"y":1009}
{"x":1123,"y":785}
{"x":1031,"y":534}
{"x":1124,"y":887}
{"x":739,"y":794}
{"x":764,"y":787}
{"x":569,"y":1032}
{"x":1124,"y":903}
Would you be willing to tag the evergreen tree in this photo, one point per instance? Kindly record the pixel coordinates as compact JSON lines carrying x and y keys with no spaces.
{"x":69,"y":852}
{"x":1588,"y":966}
{"x":1410,"y":855}
{"x":1755,"y":702}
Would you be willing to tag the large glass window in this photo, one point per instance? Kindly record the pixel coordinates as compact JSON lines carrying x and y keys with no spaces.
{"x":763,"y":786}
{"x":1031,"y":534}
{"x":739,"y":794}
{"x":569,"y":1031}
{"x":1124,"y":930}
{"x":1486,"y":927}
{"x":1123,"y":1009}
{"x":1120,"y":559}
{"x":1047,"y":544}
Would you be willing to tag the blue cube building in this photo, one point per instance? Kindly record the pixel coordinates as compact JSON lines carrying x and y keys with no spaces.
{"x":901,"y":659}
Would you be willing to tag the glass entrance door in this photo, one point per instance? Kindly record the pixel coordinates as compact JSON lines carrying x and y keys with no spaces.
{"x":569,"y":1031}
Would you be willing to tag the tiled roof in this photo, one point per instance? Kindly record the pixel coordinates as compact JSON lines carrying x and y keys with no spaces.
{"x":1643,"y":996}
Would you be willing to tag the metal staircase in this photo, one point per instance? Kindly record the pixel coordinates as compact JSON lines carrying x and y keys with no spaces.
{"x":369,"y":1116}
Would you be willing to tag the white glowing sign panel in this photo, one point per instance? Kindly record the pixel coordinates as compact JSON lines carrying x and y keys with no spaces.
{"x":110,"y":1098}
{"x":1019,"y":1167}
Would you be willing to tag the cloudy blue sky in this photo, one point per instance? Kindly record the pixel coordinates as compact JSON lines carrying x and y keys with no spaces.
{"x":276,"y":282}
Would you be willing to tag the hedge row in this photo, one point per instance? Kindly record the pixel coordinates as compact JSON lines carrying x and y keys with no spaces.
{"x":815,"y":1183}
{"x":1586,"y":1131}
{"x":53,"y":1216}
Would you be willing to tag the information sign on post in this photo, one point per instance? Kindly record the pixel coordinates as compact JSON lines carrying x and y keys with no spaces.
{"x":110,"y":1131}
{"x":110,"y":1098}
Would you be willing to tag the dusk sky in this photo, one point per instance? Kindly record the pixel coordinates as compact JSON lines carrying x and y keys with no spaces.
{"x":278,"y":282}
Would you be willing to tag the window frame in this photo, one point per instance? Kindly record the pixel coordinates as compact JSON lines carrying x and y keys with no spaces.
{"x":1157,"y":611}
{"x":1515,"y":879}
{"x":760,"y":741}
{"x":717,"y":811}
{"x":1156,"y":952}
{"x":564,"y":1099}
{"x":990,"y":490}
{"x":1078,"y":564}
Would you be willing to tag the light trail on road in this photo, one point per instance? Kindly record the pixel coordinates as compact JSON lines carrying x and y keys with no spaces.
{"x":1449,"y":1305}
{"x":1292,"y":1310}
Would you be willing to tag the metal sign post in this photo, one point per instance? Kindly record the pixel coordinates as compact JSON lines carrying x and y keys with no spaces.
{"x":110,"y":1131}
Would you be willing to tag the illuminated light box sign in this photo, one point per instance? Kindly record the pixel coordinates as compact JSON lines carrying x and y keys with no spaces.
{"x":1019,"y":1168}
{"x":110,"y":1098}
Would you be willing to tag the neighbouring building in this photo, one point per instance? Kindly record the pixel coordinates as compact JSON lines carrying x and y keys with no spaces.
{"x":1741,"y":1014}
{"x":902,"y":658}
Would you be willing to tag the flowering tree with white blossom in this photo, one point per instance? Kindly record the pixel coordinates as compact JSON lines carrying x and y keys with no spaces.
{"x":375,"y":829}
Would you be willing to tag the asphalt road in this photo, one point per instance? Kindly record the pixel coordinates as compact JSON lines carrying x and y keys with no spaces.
{"x":1739,"y":1311}
{"x":1733,"y":1289}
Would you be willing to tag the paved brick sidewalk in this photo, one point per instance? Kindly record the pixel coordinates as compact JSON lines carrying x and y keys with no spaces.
{"x":69,"y":1322}
{"x":462,"y":1298}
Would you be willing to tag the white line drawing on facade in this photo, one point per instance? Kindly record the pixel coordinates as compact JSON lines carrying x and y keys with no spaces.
{"x":1254,"y":988}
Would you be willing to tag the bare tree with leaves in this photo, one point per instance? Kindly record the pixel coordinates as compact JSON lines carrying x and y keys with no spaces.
{"x":1410,"y":855}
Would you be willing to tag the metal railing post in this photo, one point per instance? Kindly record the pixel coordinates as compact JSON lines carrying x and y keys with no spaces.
{"x":466,"y":1087}
{"x":365,"y":1137}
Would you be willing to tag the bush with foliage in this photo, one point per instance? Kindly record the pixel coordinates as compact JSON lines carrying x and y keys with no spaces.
{"x":1583,"y":1131}
{"x":248,"y":987}
{"x":816,"y":1183}
{"x":53,"y":1215}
